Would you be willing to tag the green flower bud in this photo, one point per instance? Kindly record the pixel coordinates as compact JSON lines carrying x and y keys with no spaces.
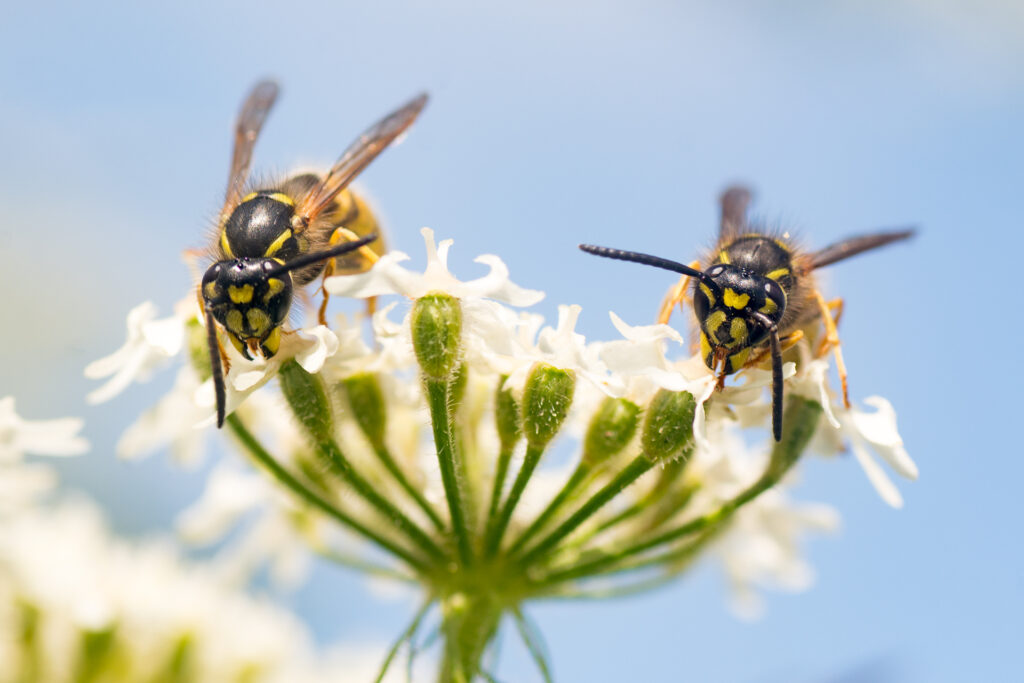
{"x":308,"y":399}
{"x":546,"y":401}
{"x":799,"y":422}
{"x":668,"y":425}
{"x":457,"y":386}
{"x":436,"y":331}
{"x":198,"y":350}
{"x":366,"y":403}
{"x":610,"y":430}
{"x":506,"y":416}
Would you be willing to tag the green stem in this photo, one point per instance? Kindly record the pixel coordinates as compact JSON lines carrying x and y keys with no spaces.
{"x":407,"y":636}
{"x":255,"y":449}
{"x":493,"y":541}
{"x":533,"y":643}
{"x":627,"y":476}
{"x":399,"y":476}
{"x":577,"y":478}
{"x":437,"y":396}
{"x":500,"y":473}
{"x":469,"y":625}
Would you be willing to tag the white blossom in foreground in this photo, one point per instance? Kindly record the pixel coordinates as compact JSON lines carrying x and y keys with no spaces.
{"x":490,"y":460}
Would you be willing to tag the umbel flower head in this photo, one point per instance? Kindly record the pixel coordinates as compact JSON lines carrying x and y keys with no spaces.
{"x":424,"y":454}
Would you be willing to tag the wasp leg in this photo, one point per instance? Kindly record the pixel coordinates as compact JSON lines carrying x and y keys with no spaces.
{"x":347,"y":235}
{"x":831,"y":341}
{"x":835,"y":307}
{"x":720,"y":362}
{"x":675,"y":295}
{"x":785,"y":344}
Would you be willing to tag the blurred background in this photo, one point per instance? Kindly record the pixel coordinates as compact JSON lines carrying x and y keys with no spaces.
{"x":553,"y":123}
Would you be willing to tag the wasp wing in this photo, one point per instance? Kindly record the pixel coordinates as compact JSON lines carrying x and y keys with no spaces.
{"x":856,"y":245}
{"x":734,"y":202}
{"x":250,"y":120}
{"x":358,"y":155}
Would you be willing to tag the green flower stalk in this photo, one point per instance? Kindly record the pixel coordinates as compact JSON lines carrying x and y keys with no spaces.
{"x":410,"y":442}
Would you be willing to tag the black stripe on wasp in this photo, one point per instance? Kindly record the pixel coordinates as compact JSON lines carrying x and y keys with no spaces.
{"x":755,"y":294}
{"x":274,"y":239}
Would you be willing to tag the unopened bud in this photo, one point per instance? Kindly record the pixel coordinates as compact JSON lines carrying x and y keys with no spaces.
{"x":668,"y":425}
{"x":546,"y":400}
{"x":610,"y":430}
{"x":799,"y":422}
{"x":366,"y":403}
{"x":436,"y":331}
{"x":308,"y":399}
{"x":506,"y":416}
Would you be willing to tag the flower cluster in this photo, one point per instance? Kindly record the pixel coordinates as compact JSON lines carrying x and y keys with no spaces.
{"x":425,"y":454}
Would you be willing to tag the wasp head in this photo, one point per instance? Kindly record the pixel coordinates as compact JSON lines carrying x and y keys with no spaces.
{"x":250,"y":297}
{"x":732,"y":305}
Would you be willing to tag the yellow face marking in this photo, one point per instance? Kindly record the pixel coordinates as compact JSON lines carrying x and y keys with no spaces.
{"x":240,"y":295}
{"x":211,"y":290}
{"x":283,"y":198}
{"x":225,"y":245}
{"x":274,"y":287}
{"x":272,"y":343}
{"x":708,"y":293}
{"x":239,"y":346}
{"x":738,"y":330}
{"x":278,"y":243}
{"x":738,"y":359}
{"x":723,"y":256}
{"x":734,"y":300}
{"x":769,"y":307}
{"x":705,"y":346}
{"x":233,"y":321}
{"x":258,"y":321}
{"x":777,"y":273}
{"x":714,"y":321}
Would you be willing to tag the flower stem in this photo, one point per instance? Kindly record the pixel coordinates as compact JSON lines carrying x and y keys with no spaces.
{"x":407,"y":636}
{"x":500,"y":473}
{"x":493,"y":540}
{"x":437,"y":396}
{"x":578,"y":476}
{"x":391,"y":466}
{"x":255,"y":449}
{"x":533,"y":643}
{"x":469,"y":624}
{"x":639,"y":465}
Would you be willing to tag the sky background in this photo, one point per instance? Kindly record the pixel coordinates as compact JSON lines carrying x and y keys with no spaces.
{"x":553,"y":123}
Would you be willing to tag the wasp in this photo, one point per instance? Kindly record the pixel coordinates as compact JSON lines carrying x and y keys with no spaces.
{"x":756,"y":293}
{"x":272,"y":240}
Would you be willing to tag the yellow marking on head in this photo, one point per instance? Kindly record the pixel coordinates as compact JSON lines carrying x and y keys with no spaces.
{"x":211,"y":290}
{"x":233,"y":321}
{"x":278,"y":243}
{"x":705,"y":346}
{"x":237,"y":343}
{"x":225,"y":245}
{"x":738,"y":359}
{"x":240,"y":295}
{"x":734,"y":300}
{"x":251,"y":195}
{"x":723,"y":256}
{"x":708,"y":293}
{"x":258,"y":321}
{"x":272,"y":343}
{"x":769,"y":307}
{"x":738,"y":330}
{"x":283,"y":198}
{"x":714,"y":321}
{"x":777,"y":273}
{"x":274,"y":287}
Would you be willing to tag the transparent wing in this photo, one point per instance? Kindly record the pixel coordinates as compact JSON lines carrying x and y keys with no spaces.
{"x":358,"y":156}
{"x":250,"y":120}
{"x":856,"y":245}
{"x":734,"y":202}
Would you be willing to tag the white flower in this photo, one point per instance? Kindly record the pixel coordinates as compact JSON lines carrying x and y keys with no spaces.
{"x":860,"y":429}
{"x":41,"y":437}
{"x":150,"y":344}
{"x":388,"y":277}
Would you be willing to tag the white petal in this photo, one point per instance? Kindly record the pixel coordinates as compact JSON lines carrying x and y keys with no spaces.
{"x":878,"y":478}
{"x":879,"y":429}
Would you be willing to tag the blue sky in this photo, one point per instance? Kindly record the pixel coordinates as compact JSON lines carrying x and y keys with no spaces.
{"x":550,"y":124}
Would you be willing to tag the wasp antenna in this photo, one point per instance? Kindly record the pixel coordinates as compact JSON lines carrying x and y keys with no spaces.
{"x":216,"y":368}
{"x":776,"y":348}
{"x":649,"y":260}
{"x":317,"y":256}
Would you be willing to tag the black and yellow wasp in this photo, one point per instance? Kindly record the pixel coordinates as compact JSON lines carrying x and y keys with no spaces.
{"x":755,"y":294}
{"x":274,"y":239}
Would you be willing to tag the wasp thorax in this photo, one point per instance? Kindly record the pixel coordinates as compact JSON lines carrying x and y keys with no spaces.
{"x":726,"y":309}
{"x":249,"y":302}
